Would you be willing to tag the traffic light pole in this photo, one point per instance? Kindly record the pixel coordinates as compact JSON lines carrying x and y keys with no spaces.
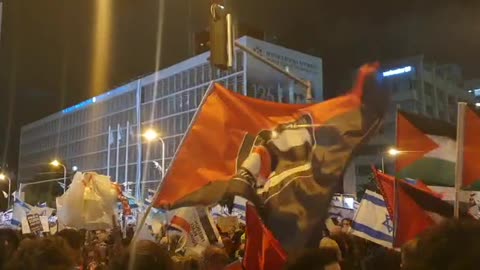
{"x":306,"y":83}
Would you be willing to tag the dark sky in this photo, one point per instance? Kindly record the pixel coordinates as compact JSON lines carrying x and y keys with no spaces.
{"x":46,"y":46}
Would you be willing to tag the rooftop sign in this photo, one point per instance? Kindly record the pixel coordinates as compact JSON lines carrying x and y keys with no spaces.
{"x":397,"y":71}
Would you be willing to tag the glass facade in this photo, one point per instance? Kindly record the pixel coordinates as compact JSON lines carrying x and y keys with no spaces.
{"x":103,"y":134}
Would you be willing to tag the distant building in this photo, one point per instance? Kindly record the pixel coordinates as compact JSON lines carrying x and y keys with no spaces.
{"x":416,"y":86}
{"x":473,"y":88}
{"x":102,"y":134}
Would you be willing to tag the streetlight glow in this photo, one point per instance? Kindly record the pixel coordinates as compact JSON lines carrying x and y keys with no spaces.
{"x":4,"y":177}
{"x":393,"y":152}
{"x":150,"y":135}
{"x":55,"y":163}
{"x":74,"y":168}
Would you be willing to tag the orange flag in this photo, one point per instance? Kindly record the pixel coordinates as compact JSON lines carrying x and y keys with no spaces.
{"x":286,"y":158}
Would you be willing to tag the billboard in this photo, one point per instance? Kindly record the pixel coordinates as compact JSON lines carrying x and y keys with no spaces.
{"x":266,"y":83}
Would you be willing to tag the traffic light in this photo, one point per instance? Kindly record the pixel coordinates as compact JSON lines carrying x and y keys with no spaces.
{"x":221,"y":37}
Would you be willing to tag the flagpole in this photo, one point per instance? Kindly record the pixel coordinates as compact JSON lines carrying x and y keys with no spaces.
{"x":395,"y":184}
{"x":396,"y":209}
{"x":149,"y":208}
{"x":127,"y":134}
{"x":108,"y":148}
{"x":118,"y":153}
{"x":462,"y":106}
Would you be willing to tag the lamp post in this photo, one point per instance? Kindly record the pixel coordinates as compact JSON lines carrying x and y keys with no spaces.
{"x":151,"y":135}
{"x":3,"y":177}
{"x":391,"y":152}
{"x":55,"y":163}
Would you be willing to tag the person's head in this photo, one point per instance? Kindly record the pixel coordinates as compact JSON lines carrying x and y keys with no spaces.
{"x":215,"y":258}
{"x":50,"y":253}
{"x":145,"y":255}
{"x":9,"y":242}
{"x":330,"y":244}
{"x":325,"y":233}
{"x":73,"y":238}
{"x":346,"y":225}
{"x":453,"y":244}
{"x":315,"y":259}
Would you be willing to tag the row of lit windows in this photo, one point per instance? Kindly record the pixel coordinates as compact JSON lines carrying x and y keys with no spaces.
{"x":89,"y":113}
{"x":86,"y":144}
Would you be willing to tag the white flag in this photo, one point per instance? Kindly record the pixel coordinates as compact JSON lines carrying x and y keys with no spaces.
{"x":372,"y":221}
{"x":119,"y":135}
{"x":111,"y":139}
{"x":197,"y":224}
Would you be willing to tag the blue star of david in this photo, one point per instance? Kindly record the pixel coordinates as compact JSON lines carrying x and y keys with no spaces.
{"x":388,"y":223}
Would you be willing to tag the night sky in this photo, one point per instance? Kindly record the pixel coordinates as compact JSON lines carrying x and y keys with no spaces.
{"x":46,"y":47}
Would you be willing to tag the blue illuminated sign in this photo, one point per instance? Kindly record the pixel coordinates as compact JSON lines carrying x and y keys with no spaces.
{"x":397,"y":71}
{"x":85,"y":103}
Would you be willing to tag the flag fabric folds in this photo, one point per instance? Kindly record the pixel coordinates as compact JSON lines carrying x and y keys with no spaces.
{"x":262,"y":250}
{"x":197,"y":224}
{"x":428,"y":149}
{"x":372,"y":220}
{"x":285,"y":158}
{"x":20,"y":211}
{"x":413,"y":208}
{"x":471,"y":148}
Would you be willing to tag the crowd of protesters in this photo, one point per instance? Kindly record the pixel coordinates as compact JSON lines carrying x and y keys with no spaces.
{"x":452,"y":245}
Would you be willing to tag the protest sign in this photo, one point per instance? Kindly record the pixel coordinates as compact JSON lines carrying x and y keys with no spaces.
{"x":34,"y":223}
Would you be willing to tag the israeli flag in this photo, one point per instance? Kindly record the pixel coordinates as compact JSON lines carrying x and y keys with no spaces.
{"x":239,"y":208}
{"x":372,"y":221}
{"x":20,"y":211}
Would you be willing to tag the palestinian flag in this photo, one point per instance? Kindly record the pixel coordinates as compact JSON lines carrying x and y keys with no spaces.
{"x":414,"y":208}
{"x":471,"y":149}
{"x":287,"y":159}
{"x":428,"y":149}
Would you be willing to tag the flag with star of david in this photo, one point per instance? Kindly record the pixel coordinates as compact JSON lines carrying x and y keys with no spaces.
{"x":372,"y":220}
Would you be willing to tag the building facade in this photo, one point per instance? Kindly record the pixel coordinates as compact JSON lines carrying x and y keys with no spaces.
{"x":416,"y":86}
{"x":473,"y":88}
{"x":103,"y":134}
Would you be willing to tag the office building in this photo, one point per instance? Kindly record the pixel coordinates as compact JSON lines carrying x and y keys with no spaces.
{"x":473,"y":88}
{"x":102,"y":134}
{"x":417,"y":86}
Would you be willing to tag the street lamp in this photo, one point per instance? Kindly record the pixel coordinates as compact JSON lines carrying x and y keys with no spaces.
{"x":55,"y":163}
{"x":151,"y":135}
{"x":3,"y":177}
{"x":74,"y":168}
{"x":391,"y":152}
